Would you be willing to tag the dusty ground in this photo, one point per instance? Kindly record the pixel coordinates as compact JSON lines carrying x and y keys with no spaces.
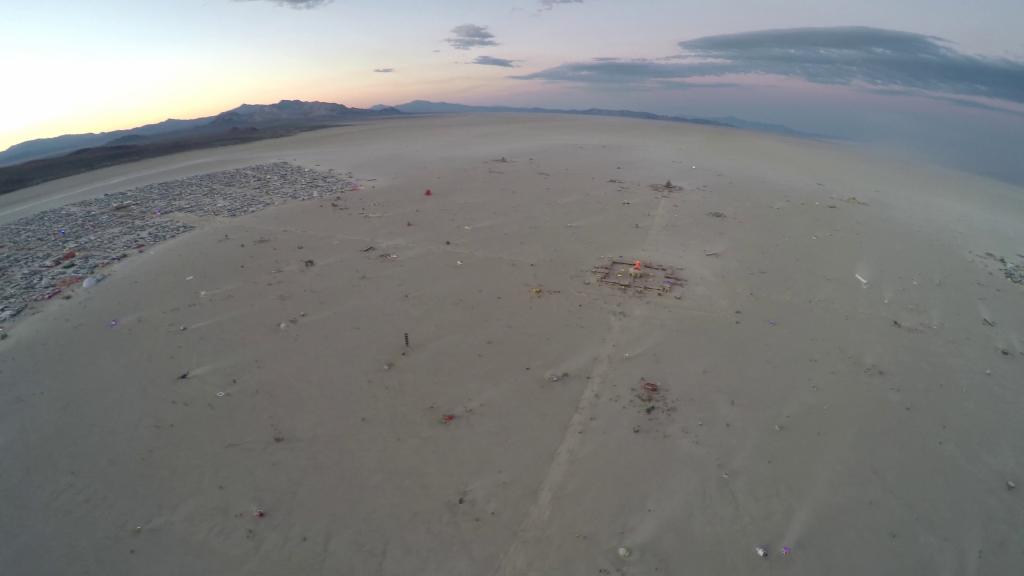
{"x":870,"y":428}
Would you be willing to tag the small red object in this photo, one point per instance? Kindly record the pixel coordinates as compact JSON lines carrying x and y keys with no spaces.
{"x":650,"y":387}
{"x":447,"y":418}
{"x":69,"y":255}
{"x":428,"y":193}
{"x":636,"y":265}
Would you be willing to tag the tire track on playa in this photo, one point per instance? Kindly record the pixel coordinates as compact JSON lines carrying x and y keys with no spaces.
{"x":516,"y":559}
{"x":660,"y":216}
{"x":514,"y":562}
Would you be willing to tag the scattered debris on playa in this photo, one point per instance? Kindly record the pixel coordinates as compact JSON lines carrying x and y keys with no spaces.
{"x":668,"y":186}
{"x":554,"y":366}
{"x":539,"y":291}
{"x":44,"y":254}
{"x":1014,"y":273}
{"x":651,"y":400}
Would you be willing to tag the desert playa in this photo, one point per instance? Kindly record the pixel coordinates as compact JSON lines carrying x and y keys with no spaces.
{"x":816,"y":369}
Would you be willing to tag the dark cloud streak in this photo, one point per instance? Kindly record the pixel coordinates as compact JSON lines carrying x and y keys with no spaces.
{"x":295,"y":4}
{"x":492,"y":61}
{"x":840,"y":56}
{"x":617,"y":72}
{"x":468,"y":36}
{"x":549,"y":4}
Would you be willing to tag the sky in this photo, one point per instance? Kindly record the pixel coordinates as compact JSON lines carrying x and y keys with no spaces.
{"x":943,"y":78}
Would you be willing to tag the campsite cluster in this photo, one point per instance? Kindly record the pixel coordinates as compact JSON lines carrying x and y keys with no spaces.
{"x":44,"y":254}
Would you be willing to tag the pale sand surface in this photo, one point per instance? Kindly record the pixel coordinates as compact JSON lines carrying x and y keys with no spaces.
{"x":802,"y":415}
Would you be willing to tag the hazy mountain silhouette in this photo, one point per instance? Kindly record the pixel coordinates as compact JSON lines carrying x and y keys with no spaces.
{"x":37,"y":161}
{"x":44,"y":147}
{"x":294,"y":113}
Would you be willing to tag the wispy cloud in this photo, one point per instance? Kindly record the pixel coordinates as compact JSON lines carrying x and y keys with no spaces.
{"x":962,"y":102}
{"x":549,"y":4}
{"x":617,"y":71}
{"x":384,"y":70}
{"x":965,"y":103}
{"x":492,"y":61}
{"x":841,"y":56}
{"x":468,"y":36}
{"x":296,"y":4}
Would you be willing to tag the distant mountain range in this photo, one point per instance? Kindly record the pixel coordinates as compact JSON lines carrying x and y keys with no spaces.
{"x":427,"y":107}
{"x":37,"y":161}
{"x":294,"y":113}
{"x":44,"y":147}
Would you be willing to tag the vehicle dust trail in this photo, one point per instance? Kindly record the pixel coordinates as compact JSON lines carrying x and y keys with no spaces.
{"x":516,"y":558}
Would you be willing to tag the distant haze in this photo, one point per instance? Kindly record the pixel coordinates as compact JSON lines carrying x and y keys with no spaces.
{"x":942,"y":81}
